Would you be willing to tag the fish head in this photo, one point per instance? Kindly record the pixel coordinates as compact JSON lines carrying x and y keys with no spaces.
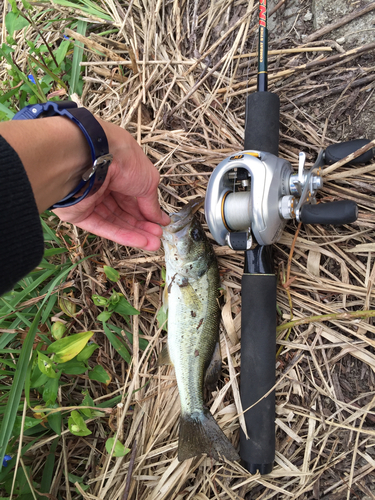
{"x":185,"y":243}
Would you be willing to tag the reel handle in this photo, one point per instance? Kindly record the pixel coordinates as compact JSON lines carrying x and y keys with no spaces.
{"x":337,"y":152}
{"x":336,"y":213}
{"x":262,"y":122}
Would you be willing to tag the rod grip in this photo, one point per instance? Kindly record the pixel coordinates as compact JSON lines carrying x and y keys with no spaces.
{"x":337,"y":152}
{"x":262,"y":122}
{"x":258,"y":351}
{"x":335,"y":212}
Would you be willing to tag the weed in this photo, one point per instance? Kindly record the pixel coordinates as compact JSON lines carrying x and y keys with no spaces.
{"x":48,"y":73}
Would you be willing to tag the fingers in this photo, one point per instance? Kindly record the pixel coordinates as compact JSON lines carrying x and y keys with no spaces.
{"x":124,"y":234}
{"x":150,"y":209}
{"x":131,"y":218}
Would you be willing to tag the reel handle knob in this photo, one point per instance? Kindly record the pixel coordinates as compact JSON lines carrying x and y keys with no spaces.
{"x":337,"y":152}
{"x":336,"y":212}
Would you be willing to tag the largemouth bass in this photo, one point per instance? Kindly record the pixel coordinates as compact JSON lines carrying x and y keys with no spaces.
{"x":192,"y":285}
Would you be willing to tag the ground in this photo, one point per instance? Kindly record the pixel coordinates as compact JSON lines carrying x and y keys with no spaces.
{"x":188,"y":116}
{"x":296,"y":21}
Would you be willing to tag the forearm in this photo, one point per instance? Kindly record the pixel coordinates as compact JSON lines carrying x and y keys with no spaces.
{"x":54,"y":153}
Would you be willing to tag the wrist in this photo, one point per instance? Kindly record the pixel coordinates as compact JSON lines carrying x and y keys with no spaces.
{"x":54,"y":153}
{"x":96,"y":140}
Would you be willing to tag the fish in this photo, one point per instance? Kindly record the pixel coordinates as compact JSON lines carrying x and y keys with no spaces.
{"x":191,"y":297}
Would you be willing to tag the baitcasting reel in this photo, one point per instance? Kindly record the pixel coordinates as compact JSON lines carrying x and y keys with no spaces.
{"x":253,"y":194}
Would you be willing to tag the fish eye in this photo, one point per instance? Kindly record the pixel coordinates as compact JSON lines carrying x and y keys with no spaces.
{"x":196,"y":234}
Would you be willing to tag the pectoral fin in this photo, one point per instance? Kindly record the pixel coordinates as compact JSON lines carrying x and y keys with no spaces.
{"x":190,"y":297}
{"x":165,"y":298}
{"x":214,"y":369}
{"x":164,"y":358}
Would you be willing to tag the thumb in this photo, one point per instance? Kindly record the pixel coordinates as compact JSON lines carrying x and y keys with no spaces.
{"x":150,"y":209}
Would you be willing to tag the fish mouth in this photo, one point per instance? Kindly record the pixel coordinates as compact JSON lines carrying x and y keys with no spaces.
{"x":183,"y":218}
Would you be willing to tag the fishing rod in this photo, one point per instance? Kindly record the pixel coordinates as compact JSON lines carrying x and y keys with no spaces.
{"x":250,"y":197}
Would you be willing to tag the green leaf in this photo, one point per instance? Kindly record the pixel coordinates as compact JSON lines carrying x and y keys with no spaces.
{"x":45,"y":365}
{"x":67,"y":348}
{"x":50,"y":390}
{"x":117,"y":343}
{"x":48,"y":469}
{"x":18,"y":297}
{"x":163,"y":275}
{"x":114,"y":299}
{"x":61,"y":51}
{"x":104,"y":316}
{"x":87,"y":352}
{"x":67,"y":306}
{"x":4,"y":98}
{"x":50,"y":305}
{"x":72,"y":367}
{"x":124,"y":308}
{"x":22,"y":488}
{"x":28,"y":424}
{"x":119,"y":451}
{"x":55,"y":420}
{"x":77,"y":425}
{"x":48,"y":71}
{"x":162,"y":317}
{"x":99,"y":300}
{"x":8,"y":113}
{"x":15,"y":22}
{"x":49,"y":234}
{"x":77,"y":58}
{"x":86,"y":6}
{"x":99,"y":374}
{"x":13,"y":3}
{"x":58,"y":329}
{"x":37,"y":378}
{"x":111,"y":273}
{"x":49,"y":252}
{"x":87,"y":401}
{"x":74,"y":479}
{"x":35,"y":76}
{"x":88,"y":412}
{"x":143,"y":343}
{"x":14,"y":396}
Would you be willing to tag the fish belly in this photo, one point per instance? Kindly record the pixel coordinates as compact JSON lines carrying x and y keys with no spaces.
{"x":192,"y":337}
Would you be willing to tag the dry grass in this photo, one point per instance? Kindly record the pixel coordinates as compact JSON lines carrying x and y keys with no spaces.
{"x":179,"y":75}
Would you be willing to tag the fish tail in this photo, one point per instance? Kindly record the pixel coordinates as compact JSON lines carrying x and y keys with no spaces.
{"x":200,"y":433}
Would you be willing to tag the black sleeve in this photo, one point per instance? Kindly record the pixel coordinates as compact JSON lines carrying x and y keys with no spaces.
{"x":21,"y":236}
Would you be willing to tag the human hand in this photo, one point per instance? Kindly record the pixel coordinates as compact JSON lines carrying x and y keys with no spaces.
{"x":126,"y":207}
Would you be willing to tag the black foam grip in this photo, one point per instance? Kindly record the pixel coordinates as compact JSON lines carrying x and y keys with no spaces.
{"x":258,"y":357}
{"x":262,"y":122}
{"x":337,"y":152}
{"x":336,"y":212}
